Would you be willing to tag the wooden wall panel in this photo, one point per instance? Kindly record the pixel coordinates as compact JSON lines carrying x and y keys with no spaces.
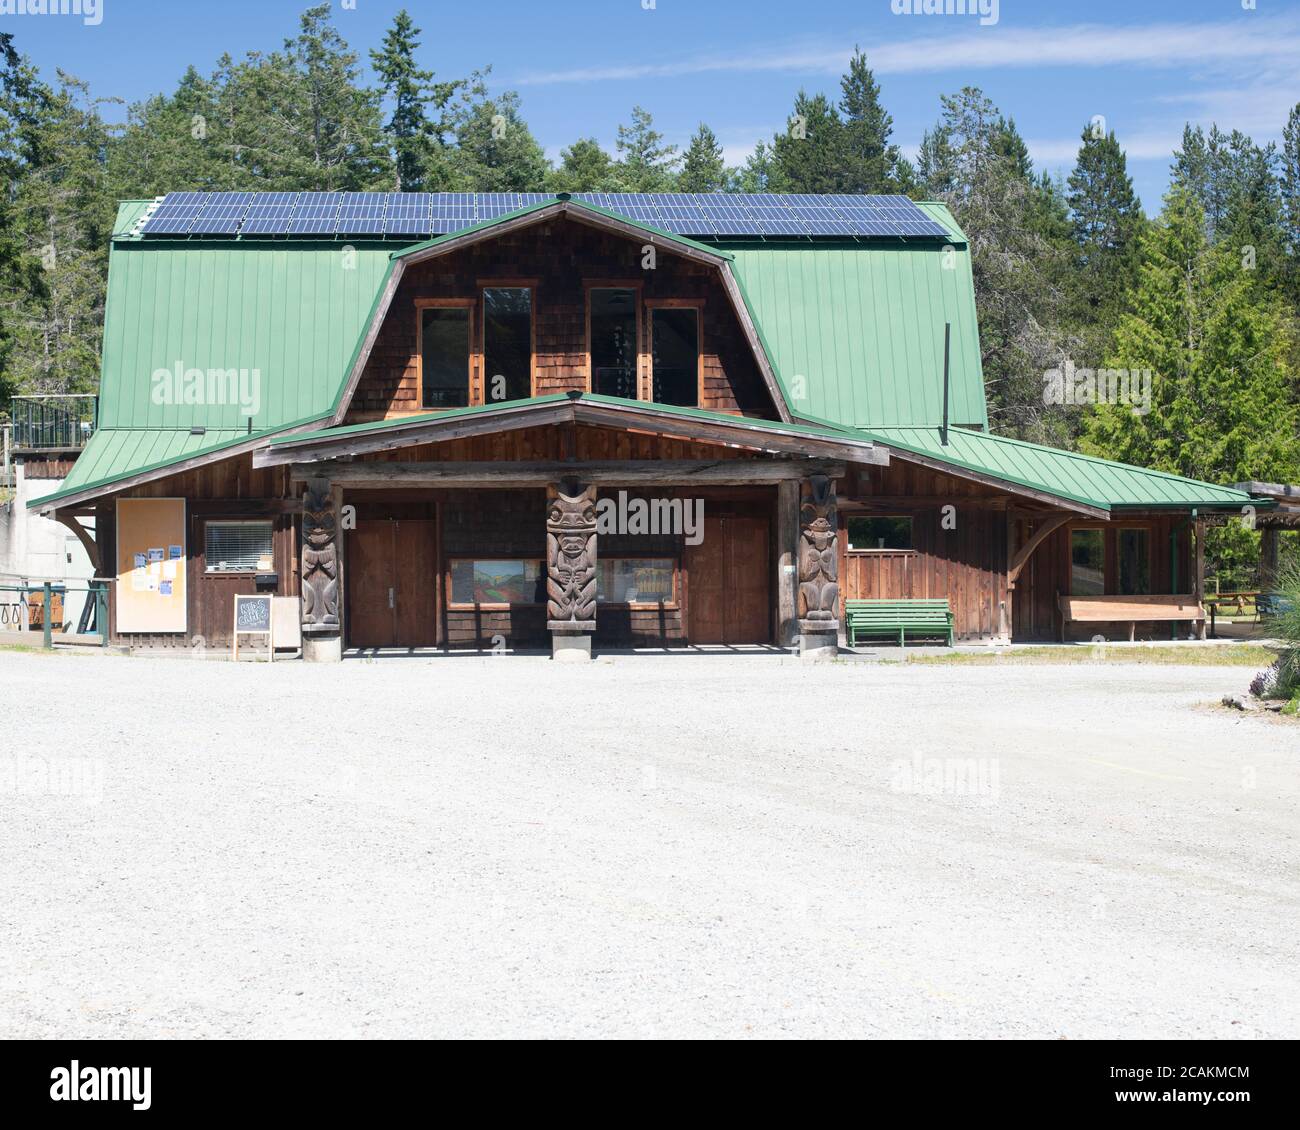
{"x":561,"y":255}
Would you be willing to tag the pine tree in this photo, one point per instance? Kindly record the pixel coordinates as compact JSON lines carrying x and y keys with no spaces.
{"x":1105,"y":222}
{"x":755,"y":175}
{"x":416,"y":138}
{"x":870,"y":163}
{"x":307,"y":123}
{"x":647,"y":164}
{"x":703,"y":169}
{"x":1290,"y":209}
{"x":585,"y":167}
{"x":495,"y":150}
{"x":809,"y":155}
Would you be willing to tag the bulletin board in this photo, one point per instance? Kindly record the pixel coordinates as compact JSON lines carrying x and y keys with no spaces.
{"x":151,"y":559}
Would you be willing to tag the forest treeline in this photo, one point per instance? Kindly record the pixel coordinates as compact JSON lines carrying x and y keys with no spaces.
{"x":1068,"y":271}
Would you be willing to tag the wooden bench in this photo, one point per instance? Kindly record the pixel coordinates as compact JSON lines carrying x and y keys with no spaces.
{"x":1105,"y":609}
{"x":898,"y":617}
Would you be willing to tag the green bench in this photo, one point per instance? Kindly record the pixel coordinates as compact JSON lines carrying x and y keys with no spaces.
{"x":898,"y":617}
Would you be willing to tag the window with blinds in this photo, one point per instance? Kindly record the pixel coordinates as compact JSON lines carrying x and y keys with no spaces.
{"x":238,"y":547}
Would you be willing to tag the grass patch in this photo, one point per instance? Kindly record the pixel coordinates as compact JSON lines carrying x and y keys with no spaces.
{"x":1230,"y":655}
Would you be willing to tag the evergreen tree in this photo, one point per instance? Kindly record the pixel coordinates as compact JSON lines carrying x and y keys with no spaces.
{"x":416,"y":138}
{"x":1289,"y":215}
{"x":703,"y":169}
{"x":585,"y":167}
{"x":1105,"y":222}
{"x":495,"y":150}
{"x":647,"y":164}
{"x":809,"y":155}
{"x":871,"y":165}
{"x":1224,"y":405}
{"x":755,"y":175}
{"x":310,"y":126}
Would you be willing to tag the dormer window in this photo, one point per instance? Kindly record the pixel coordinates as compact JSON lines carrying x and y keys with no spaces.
{"x":444,"y":352}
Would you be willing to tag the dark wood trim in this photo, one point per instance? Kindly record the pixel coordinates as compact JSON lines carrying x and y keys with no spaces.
{"x":730,"y":472}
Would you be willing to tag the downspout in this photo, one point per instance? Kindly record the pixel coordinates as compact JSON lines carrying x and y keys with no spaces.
{"x":947,"y":340}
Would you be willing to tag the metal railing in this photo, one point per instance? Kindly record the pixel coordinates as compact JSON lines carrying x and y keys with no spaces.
{"x":16,"y":608}
{"x":57,"y":422}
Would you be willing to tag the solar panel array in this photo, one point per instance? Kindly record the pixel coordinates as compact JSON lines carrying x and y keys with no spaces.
{"x":419,"y":215}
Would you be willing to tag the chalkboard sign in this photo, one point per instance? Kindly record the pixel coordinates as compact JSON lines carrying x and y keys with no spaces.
{"x":253,"y":618}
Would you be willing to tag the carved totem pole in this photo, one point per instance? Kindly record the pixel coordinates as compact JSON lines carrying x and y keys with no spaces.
{"x":571,"y":558}
{"x":819,"y":589}
{"x":320,"y":562}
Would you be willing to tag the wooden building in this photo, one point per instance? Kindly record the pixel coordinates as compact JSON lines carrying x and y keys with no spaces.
{"x":470,"y":421}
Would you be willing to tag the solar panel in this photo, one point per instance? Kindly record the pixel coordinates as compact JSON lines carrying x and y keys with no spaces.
{"x":223,"y":212}
{"x":176,"y":214}
{"x":362,"y":213}
{"x":418,"y":214}
{"x":317,"y":213}
{"x":270,"y":213}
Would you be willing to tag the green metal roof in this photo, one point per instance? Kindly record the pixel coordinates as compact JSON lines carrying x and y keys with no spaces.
{"x":294,"y":314}
{"x":111,"y":456}
{"x":825,"y":431}
{"x":855,"y":331}
{"x":1066,"y":474}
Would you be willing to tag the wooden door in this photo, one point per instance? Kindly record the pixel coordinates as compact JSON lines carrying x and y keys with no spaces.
{"x":415,"y":580}
{"x":730,"y":582}
{"x":392,"y":584}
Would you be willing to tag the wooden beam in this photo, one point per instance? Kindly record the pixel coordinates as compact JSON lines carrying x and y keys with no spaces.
{"x":1040,"y":535}
{"x":787,"y":561}
{"x":83,"y":536}
{"x":725,"y":472}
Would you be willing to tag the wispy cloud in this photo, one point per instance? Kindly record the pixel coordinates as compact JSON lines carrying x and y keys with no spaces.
{"x":1248,"y":39}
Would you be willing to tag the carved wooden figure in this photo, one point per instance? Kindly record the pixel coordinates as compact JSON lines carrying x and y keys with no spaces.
{"x":320,"y":572}
{"x":571,"y":558}
{"x":819,"y":589}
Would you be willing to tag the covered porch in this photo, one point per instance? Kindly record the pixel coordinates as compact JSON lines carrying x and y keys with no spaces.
{"x":568,"y":523}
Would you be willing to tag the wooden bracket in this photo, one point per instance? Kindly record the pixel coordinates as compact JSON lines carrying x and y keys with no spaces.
{"x":1040,"y":535}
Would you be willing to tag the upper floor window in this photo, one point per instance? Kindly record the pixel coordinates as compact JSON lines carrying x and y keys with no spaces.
{"x":444,"y":355}
{"x":675,"y":356}
{"x":507,"y":343}
{"x":612,"y":313}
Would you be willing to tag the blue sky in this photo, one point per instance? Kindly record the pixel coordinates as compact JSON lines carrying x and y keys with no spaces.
{"x":580,"y":65}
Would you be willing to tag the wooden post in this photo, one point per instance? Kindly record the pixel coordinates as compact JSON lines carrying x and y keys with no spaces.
{"x":1269,"y":557}
{"x":322,"y":640}
{"x":1199,"y":591}
{"x":819,"y":588}
{"x":571,"y":568}
{"x":787,"y":563}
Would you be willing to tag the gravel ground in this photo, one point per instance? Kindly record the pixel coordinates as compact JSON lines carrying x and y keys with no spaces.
{"x":680,"y":846}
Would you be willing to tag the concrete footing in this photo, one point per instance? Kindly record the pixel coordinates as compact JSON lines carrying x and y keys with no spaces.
{"x":819,"y":642}
{"x":571,"y":647}
{"x":322,"y":648}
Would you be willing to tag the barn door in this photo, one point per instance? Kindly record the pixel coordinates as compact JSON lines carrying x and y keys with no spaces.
{"x":392,"y":584}
{"x":730,"y":582}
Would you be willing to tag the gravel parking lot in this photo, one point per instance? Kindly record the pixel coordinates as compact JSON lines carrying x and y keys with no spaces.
{"x":680,"y":846}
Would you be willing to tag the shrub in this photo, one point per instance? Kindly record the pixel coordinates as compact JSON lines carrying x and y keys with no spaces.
{"x":1285,"y":625}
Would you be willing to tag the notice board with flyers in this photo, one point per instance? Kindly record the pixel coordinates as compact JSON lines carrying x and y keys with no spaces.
{"x":151,"y":559}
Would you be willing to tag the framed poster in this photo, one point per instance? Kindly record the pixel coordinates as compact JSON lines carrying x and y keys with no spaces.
{"x":152,"y":590}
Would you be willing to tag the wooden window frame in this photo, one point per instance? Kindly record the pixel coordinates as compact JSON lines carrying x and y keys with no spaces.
{"x":653,"y":304}
{"x":855,"y":552}
{"x":207,"y":520}
{"x":673,"y":605}
{"x":531,"y":285}
{"x":470,"y":606}
{"x":475,"y":359}
{"x":642,"y":361}
{"x":1110,"y":550}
